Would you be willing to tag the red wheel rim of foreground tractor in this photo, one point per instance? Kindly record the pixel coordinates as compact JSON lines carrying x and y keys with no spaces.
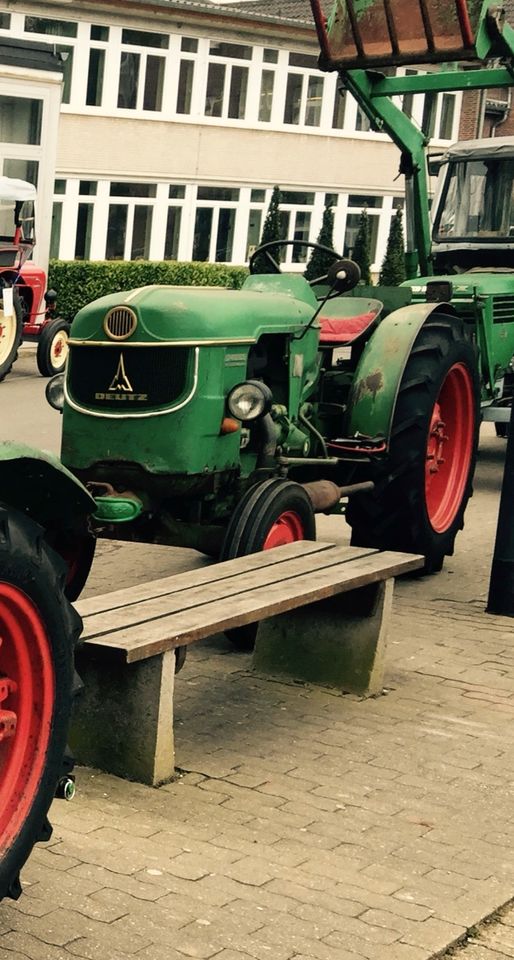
{"x":287,"y":528}
{"x":449,"y":447}
{"x":27,"y":694}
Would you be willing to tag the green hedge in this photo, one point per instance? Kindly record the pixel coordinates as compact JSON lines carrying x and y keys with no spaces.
{"x":78,"y":282}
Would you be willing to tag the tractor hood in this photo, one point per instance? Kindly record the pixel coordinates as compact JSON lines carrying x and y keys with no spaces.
{"x":198,"y":314}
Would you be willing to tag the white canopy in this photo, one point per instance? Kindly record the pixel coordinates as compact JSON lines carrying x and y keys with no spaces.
{"x":486,"y":147}
{"x":11,"y":189}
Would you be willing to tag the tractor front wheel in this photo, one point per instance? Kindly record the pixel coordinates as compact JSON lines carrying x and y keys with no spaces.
{"x":38,"y":631}
{"x":52,"y":348}
{"x":423,"y":486}
{"x":271,"y":514}
{"x":11,"y":329}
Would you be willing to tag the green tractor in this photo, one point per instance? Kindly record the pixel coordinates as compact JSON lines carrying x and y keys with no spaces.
{"x":224,"y":420}
{"x":40,"y":503}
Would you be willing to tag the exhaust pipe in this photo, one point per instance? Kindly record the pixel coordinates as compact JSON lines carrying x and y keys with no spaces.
{"x":325,"y":494}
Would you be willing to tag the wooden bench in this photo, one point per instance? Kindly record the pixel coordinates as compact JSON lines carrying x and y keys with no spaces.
{"x":322,"y":611}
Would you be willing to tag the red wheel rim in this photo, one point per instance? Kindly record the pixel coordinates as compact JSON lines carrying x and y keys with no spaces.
{"x":449,"y":447}
{"x":27,"y":694}
{"x":288,"y":528}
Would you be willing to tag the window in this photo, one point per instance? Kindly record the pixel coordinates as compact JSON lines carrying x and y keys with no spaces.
{"x":95,"y":77}
{"x":215,"y":220}
{"x":59,"y":186}
{"x":254,"y":231}
{"x":123,"y":188}
{"x":22,"y":169}
{"x":116,"y":231}
{"x":99,"y":33}
{"x":55,"y":232}
{"x":5,"y":21}
{"x":53,"y":28}
{"x":185,"y":86}
{"x":445,"y":131}
{"x":266,"y":95}
{"x":304,"y":94}
{"x":83,"y":234}
{"x":270,"y":56}
{"x":227,"y":82}
{"x":141,"y":82}
{"x":20,"y":120}
{"x":373,"y":206}
{"x":141,"y":233}
{"x":361,"y":121}
{"x":129,"y":224}
{"x":87,"y":188}
{"x":172,"y":233}
{"x":339,"y":109}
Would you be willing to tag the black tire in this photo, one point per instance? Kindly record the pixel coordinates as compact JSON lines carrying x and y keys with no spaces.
{"x":400,"y":514}
{"x":78,"y":552}
{"x":250,"y":525}
{"x":53,"y":336}
{"x":11,"y":330}
{"x":31,"y":574}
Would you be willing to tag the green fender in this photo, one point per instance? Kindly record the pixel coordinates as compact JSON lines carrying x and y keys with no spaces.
{"x":36,"y":483}
{"x":380,"y":370}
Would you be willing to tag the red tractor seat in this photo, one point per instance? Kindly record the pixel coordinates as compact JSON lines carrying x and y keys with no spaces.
{"x":340,"y":329}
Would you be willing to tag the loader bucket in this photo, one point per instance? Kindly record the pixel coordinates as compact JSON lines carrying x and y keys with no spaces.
{"x":372,"y":34}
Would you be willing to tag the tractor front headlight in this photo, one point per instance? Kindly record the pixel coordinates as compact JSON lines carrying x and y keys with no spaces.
{"x":249,"y":400}
{"x":55,"y":392}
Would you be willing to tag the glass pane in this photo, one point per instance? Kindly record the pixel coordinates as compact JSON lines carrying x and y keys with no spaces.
{"x":219,"y":49}
{"x":99,"y":33}
{"x":254,"y":231}
{"x":314,"y":97}
{"x":185,"y":86}
{"x":293,"y":98}
{"x":120,"y":189}
{"x":95,"y":78}
{"x":303,"y":60}
{"x":67,"y":62}
{"x":60,"y":186}
{"x":428,"y":120}
{"x":53,"y":28}
{"x":361,"y":200}
{"x":339,"y":109}
{"x":172,"y":233}
{"x":270,"y":56}
{"x":129,"y":79}
{"x":361,"y":121}
{"x":116,"y":231}
{"x":189,"y":45}
{"x":24,"y":169}
{"x":301,"y":232}
{"x":141,"y":38}
{"x":284,"y":217}
{"x":447,"y":114}
{"x":218,"y":193}
{"x":225,"y":238}
{"x":154,"y":83}
{"x":266,"y":97}
{"x":237,"y":95}
{"x":20,"y":120}
{"x":55,"y":233}
{"x":295,"y":196}
{"x":83,"y":235}
{"x":214,"y":95}
{"x":176,"y":192}
{"x":202,"y":238}
{"x":5,"y":21}
{"x":258,"y":196}
{"x":141,"y":233}
{"x":88,"y":188}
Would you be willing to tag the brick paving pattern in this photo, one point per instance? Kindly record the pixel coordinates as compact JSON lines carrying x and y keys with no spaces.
{"x":304,"y":824}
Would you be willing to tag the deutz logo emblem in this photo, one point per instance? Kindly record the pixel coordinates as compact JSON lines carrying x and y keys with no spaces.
{"x":120,"y":380}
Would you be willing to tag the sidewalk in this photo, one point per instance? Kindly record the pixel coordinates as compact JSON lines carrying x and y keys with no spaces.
{"x":305,"y":824}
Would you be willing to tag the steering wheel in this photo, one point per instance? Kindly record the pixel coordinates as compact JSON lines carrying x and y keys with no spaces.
{"x":265,"y":251}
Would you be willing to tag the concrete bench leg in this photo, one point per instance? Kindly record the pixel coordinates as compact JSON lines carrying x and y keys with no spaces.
{"x":123,"y":721}
{"x":339,"y":642}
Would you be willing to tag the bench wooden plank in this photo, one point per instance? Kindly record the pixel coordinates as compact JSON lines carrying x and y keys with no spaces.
{"x":222,"y":587}
{"x":212,"y":573}
{"x":187,"y":626}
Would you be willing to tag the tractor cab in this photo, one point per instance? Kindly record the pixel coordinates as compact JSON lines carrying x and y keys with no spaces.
{"x":474,"y":213}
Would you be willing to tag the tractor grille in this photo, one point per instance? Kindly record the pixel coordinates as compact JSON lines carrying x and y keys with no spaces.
{"x":503,"y":309}
{"x":122,"y":380}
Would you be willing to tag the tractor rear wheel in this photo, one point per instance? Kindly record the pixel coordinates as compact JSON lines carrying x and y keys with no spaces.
{"x":423,"y":486}
{"x":52,"y":348}
{"x":271,"y":514}
{"x":38,"y":631}
{"x":11,"y":329}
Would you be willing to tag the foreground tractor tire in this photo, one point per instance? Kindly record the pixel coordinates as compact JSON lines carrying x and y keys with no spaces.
{"x":270,"y":514}
{"x":11,"y":329}
{"x":52,"y":348}
{"x":38,"y":631}
{"x":422,"y":488}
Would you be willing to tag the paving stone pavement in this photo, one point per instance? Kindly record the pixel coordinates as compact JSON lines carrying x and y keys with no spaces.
{"x":304,"y":824}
